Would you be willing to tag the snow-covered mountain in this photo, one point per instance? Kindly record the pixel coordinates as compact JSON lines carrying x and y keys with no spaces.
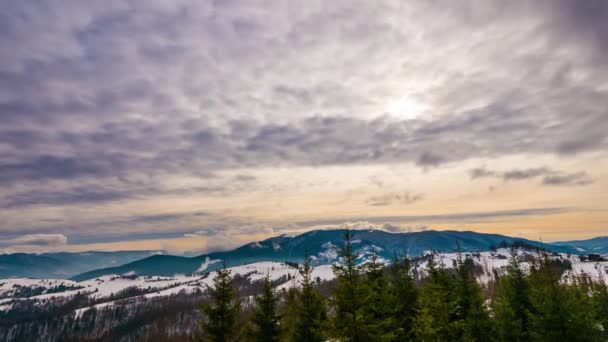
{"x":320,"y":246}
{"x":117,"y":289}
{"x":598,"y":245}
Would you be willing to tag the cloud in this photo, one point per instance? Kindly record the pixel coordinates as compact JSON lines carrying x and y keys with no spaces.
{"x":466,"y":217}
{"x":550,"y":176}
{"x":77,"y":195}
{"x":36,"y":240}
{"x":394,"y":198}
{"x":100,"y":104}
{"x":393,"y":228}
{"x":579,"y":178}
{"x":525,"y":174}
{"x":481,"y":172}
{"x":245,"y":229}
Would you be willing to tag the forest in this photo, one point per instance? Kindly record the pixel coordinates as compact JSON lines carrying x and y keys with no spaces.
{"x":377,"y":302}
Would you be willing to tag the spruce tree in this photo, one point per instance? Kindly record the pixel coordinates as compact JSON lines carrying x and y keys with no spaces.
{"x":511,"y":304}
{"x":220,"y":315}
{"x":290,"y":312}
{"x":377,"y":302}
{"x":437,"y":306}
{"x":311,"y":314}
{"x":561,"y":312}
{"x":405,"y":298}
{"x":600,"y":303}
{"x":471,"y":316}
{"x":265,"y":319}
{"x":347,"y":294}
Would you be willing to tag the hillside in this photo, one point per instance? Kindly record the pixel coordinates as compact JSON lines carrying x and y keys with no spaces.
{"x":63,"y":264}
{"x":320,"y":245}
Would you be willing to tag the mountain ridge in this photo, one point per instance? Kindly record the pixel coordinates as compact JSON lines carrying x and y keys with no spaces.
{"x":320,"y":246}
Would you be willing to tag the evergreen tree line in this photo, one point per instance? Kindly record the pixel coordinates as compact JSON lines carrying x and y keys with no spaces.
{"x":375,"y":302}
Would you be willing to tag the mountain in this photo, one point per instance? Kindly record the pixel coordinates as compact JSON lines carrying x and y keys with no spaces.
{"x":320,"y":246}
{"x":598,"y":245}
{"x":63,"y":265}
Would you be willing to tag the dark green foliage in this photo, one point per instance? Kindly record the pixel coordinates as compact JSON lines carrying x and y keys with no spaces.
{"x":600,"y":304}
{"x":220,"y":316}
{"x":311,"y":316}
{"x":559,"y":312}
{"x":290,"y":312}
{"x":471,"y":322}
{"x":404,"y":298}
{"x":512,"y":305}
{"x":377,"y":303}
{"x":265,"y":319}
{"x":437,"y":306}
{"x":348,"y":293}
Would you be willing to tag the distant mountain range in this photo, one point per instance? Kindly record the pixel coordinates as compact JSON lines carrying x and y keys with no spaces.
{"x":598,"y":245}
{"x":320,"y":245}
{"x":63,"y":265}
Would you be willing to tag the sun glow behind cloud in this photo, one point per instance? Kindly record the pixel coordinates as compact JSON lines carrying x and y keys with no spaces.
{"x":406,"y":108}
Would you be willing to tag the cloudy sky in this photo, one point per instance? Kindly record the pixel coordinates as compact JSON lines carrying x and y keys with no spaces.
{"x":199,"y":125}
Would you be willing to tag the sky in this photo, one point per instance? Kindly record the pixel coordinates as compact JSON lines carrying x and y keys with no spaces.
{"x":192,"y":126}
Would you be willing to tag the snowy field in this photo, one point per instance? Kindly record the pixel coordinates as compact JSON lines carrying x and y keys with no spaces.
{"x":106,"y":288}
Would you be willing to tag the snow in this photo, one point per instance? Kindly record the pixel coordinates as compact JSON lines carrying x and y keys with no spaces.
{"x":329,"y":253}
{"x":104,"y":287}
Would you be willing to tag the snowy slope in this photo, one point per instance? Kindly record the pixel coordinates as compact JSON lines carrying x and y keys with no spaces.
{"x":106,"y":289}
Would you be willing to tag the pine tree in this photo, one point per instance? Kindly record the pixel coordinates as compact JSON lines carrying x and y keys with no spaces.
{"x":511,"y":304}
{"x":559,"y":312}
{"x":405,"y":298}
{"x":220,"y":316}
{"x":290,"y":312}
{"x":600,"y":303}
{"x":347,"y":294}
{"x":377,"y":302}
{"x":437,"y":306}
{"x":311,"y":315}
{"x":265,"y":319}
{"x":471,"y":315}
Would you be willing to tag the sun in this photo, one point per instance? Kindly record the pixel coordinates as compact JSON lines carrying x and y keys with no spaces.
{"x":406,"y":108}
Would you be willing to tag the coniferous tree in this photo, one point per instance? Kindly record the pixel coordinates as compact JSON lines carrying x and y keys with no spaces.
{"x":290,"y":312}
{"x":405,"y":298}
{"x":511,"y":304}
{"x":347,"y":294}
{"x":265,"y":319}
{"x":311,"y":316}
{"x":437,"y":306}
{"x":220,"y":316}
{"x":560,"y":312}
{"x":471,"y":317}
{"x":600,"y":303}
{"x":377,"y":302}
